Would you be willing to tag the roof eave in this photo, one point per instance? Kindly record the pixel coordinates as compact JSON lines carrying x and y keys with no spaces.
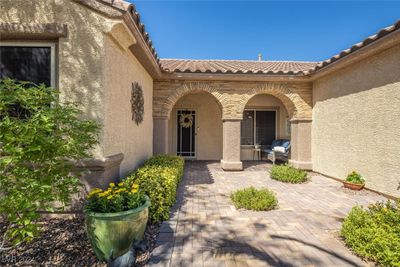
{"x":364,"y":52}
{"x":141,"y":50}
{"x":125,"y":11}
{"x":103,"y":8}
{"x":233,"y":77}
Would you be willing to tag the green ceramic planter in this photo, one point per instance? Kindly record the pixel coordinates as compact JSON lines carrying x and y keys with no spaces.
{"x":115,"y":232}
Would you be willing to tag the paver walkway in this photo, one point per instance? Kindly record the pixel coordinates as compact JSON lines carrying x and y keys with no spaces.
{"x":206,"y":230}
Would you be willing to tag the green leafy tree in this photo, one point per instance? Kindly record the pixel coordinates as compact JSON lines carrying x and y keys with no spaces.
{"x":39,"y":140}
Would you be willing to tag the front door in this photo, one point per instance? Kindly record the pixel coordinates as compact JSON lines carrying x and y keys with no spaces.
{"x":186,"y":135}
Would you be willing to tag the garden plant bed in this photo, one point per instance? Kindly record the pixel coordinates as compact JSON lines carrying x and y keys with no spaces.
{"x":63,"y":242}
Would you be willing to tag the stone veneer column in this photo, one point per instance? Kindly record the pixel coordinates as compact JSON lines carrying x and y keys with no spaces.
{"x":231,"y":145}
{"x":301,"y":143}
{"x":160,"y":135}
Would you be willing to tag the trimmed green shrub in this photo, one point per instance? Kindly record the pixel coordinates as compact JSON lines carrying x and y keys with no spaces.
{"x":158,"y":178}
{"x":374,"y":233}
{"x":355,"y":178}
{"x":254,"y":199}
{"x":288,"y":174}
{"x":175,"y":162}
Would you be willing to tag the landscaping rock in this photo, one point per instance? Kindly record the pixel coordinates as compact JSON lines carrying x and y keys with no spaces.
{"x":63,"y":242}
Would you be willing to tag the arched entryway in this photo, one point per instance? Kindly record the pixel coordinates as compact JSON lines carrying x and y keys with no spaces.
{"x":195,"y":127}
{"x":265,"y":118}
{"x":232,"y":98}
{"x":202,"y":103}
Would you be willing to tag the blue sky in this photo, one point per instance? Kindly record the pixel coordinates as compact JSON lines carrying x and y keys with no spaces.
{"x":308,"y":31}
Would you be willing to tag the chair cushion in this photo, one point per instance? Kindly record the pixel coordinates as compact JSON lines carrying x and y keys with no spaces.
{"x":279,"y":149}
{"x":275,"y":143}
{"x":285,"y":144}
{"x":267,"y":151}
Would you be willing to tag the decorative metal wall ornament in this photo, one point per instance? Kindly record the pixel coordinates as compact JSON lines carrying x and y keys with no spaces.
{"x":137,"y":103}
{"x":186,"y":120}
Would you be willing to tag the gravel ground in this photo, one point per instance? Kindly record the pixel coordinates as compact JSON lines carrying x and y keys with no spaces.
{"x":63,"y":242}
{"x":363,"y":192}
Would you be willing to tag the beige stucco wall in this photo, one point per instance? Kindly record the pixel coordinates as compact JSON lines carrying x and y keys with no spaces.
{"x":356,"y":122}
{"x":121,"y":134}
{"x":95,"y":70}
{"x":231,"y":145}
{"x":300,"y":152}
{"x":267,"y":102}
{"x":209,"y":125}
{"x":78,"y":56}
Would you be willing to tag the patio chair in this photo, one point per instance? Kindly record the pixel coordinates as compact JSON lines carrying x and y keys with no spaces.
{"x":279,"y":150}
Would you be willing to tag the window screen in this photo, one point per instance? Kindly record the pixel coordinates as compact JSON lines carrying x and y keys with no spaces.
{"x":247,"y":128}
{"x":265,"y":127}
{"x":260,"y":122}
{"x":26,"y":63}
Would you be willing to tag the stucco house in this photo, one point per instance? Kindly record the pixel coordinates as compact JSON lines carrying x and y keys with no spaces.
{"x":341,"y":114}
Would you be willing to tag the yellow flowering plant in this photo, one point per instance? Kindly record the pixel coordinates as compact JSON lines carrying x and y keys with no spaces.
{"x":116,"y":198}
{"x":158,"y":178}
{"x":355,"y":178}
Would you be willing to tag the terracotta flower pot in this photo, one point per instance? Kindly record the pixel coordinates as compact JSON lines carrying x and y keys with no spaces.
{"x":353,"y":186}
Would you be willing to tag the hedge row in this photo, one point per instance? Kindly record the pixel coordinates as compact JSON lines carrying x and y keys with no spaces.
{"x":158,"y":178}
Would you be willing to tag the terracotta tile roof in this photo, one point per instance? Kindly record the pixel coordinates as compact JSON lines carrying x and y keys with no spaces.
{"x":364,"y":43}
{"x":231,"y":66}
{"x":236,"y":66}
{"x":266,"y":67}
{"x":122,"y":6}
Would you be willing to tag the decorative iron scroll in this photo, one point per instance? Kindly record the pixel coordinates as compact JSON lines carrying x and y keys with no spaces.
{"x":137,"y":102}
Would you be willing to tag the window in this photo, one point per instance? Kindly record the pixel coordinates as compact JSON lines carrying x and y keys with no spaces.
{"x":247,"y":128}
{"x":28,"y":62}
{"x":258,"y":127}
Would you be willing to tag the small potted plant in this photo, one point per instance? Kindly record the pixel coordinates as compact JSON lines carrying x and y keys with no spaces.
{"x":354,"y":181}
{"x":114,"y":218}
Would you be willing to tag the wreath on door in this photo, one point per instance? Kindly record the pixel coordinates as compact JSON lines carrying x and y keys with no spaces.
{"x":186,"y":120}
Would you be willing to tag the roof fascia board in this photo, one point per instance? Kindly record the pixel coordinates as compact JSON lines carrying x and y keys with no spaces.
{"x":141,"y":50}
{"x":233,"y":77}
{"x":101,"y":8}
{"x":380,"y":45}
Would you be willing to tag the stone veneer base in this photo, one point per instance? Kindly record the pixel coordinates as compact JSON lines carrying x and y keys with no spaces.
{"x":304,"y":165}
{"x":231,"y":166}
{"x":100,"y":172}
